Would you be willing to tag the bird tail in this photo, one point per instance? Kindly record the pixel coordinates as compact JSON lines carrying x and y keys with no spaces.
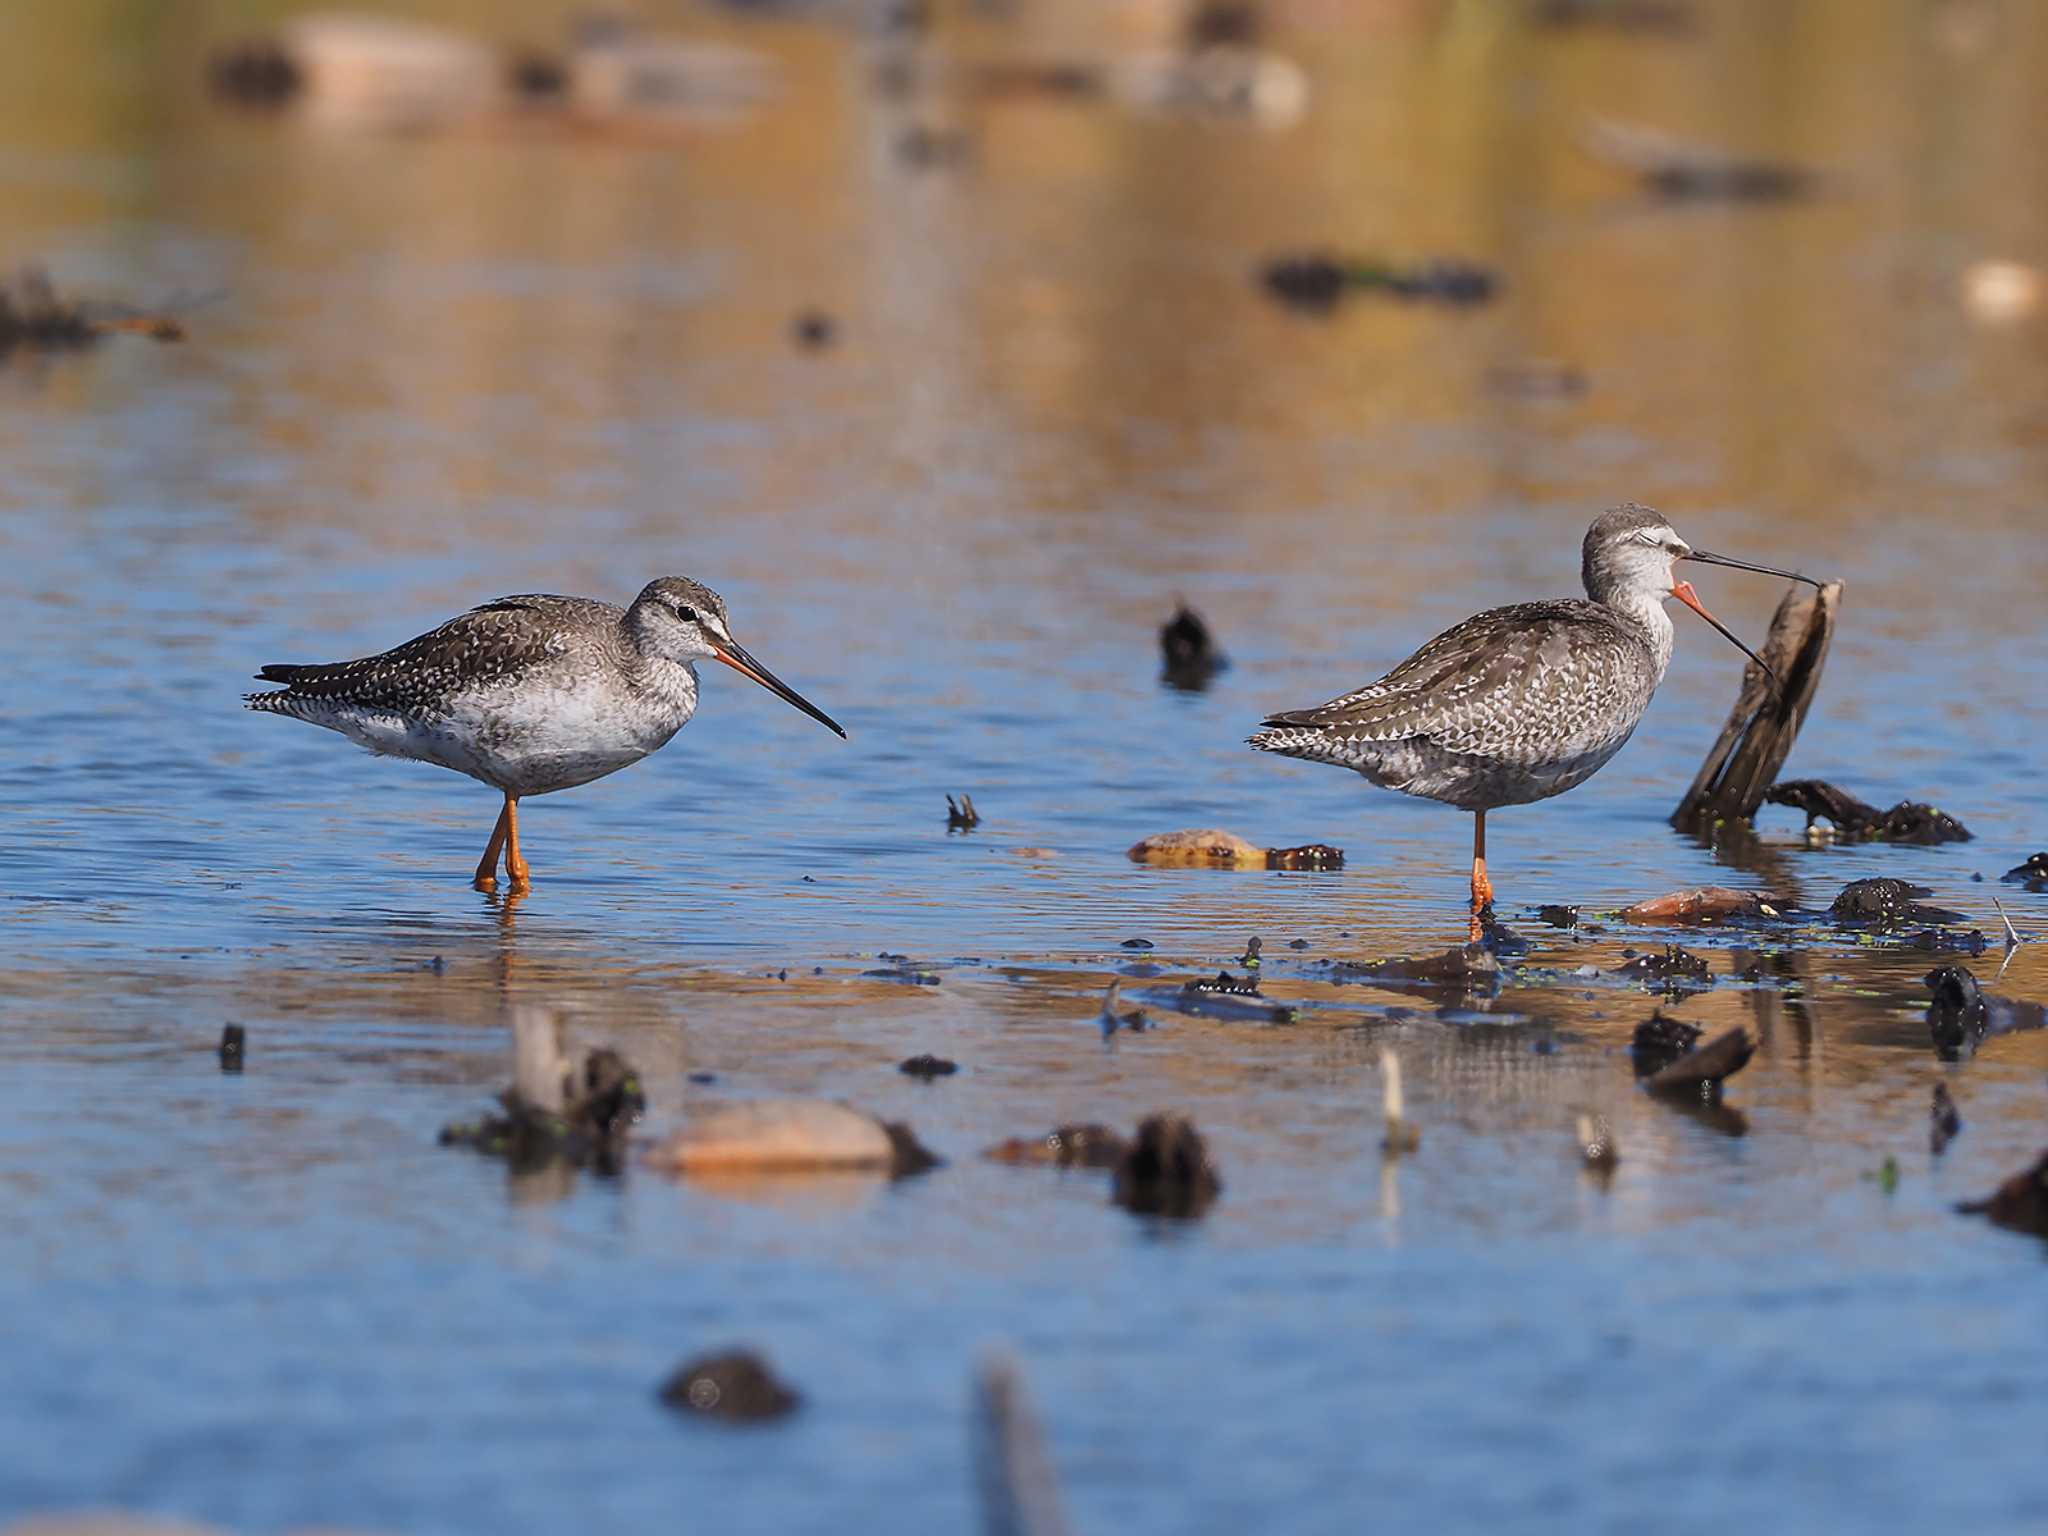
{"x":280,"y":702}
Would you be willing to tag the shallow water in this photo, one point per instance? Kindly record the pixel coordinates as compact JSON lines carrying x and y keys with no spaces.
{"x":451,"y":366}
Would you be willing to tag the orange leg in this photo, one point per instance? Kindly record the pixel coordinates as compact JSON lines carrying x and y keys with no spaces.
{"x":515,"y":862}
{"x":487,"y":867}
{"x":1482,"y":888}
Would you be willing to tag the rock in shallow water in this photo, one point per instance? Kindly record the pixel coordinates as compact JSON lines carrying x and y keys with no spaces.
{"x":1166,"y":1171}
{"x":790,"y":1136}
{"x":737,"y":1387}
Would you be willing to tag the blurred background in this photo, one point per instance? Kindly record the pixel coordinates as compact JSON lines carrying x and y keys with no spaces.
{"x":954,"y":343}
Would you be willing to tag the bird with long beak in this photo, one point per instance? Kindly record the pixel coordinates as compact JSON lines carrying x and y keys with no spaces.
{"x":1520,"y":703}
{"x":530,"y":694}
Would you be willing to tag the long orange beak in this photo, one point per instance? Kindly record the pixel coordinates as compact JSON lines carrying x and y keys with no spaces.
{"x":1682,"y":590}
{"x":736,"y":657}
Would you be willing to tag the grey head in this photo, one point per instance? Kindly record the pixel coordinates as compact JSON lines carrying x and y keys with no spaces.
{"x":1630,"y":561}
{"x":1628,"y":557}
{"x":680,"y":620}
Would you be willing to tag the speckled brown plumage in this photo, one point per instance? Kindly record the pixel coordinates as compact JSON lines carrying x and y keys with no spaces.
{"x":1519,"y":703}
{"x":530,"y":694}
{"x":490,"y":644}
{"x":1513,"y":705}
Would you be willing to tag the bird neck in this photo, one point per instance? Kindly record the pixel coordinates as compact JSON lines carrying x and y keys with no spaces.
{"x":671,"y":685}
{"x":1644,"y":613}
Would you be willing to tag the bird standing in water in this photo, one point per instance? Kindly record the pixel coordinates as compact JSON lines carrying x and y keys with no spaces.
{"x":1519,"y":703}
{"x":530,"y":694}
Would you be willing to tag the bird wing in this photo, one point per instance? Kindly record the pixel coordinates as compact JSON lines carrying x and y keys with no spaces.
{"x":491,"y":643}
{"x":1467,"y":690}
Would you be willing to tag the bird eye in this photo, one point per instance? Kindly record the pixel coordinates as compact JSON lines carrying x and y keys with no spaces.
{"x":687,"y":615}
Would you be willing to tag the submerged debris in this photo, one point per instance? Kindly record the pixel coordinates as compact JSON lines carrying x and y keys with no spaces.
{"x":1558,"y":917}
{"x":557,"y":1111}
{"x":1961,"y":1016}
{"x":1469,"y":965}
{"x":1944,"y":1123}
{"x":2020,"y":1203}
{"x":1402,"y":1135}
{"x":1700,"y":1070}
{"x":1675,"y":169}
{"x":1166,"y":1171}
{"x":737,"y":1387}
{"x":1307,"y":856}
{"x":1066,"y":1146}
{"x":1907,"y":822}
{"x":813,"y":330}
{"x":1133,"y":1020}
{"x":790,"y":1136}
{"x":1702,"y":904}
{"x":234,"y":1042}
{"x":1674,"y":969}
{"x":1497,"y":938}
{"x":1315,"y":282}
{"x":927,"y":1067}
{"x":1210,"y":848}
{"x":1887,"y":903}
{"x":1019,"y":1494}
{"x":1226,"y":997}
{"x":961,"y":814}
{"x":33,"y":316}
{"x":2033,"y":873}
{"x":1765,"y":720}
{"x":1660,"y":1040}
{"x":1189,"y":651}
{"x":1596,"y":1145}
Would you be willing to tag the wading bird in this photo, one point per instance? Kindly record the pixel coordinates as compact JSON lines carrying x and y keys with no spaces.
{"x":1523,"y":702}
{"x":530,"y":694}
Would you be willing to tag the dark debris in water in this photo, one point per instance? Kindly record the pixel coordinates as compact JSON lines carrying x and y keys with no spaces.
{"x":2020,"y":1203}
{"x":1307,"y":856}
{"x":234,"y":1042}
{"x":1066,"y":1146}
{"x":961,"y":815}
{"x":1225,"y":997}
{"x":599,"y":1103}
{"x":1315,"y":282}
{"x":32,"y":316}
{"x":1961,"y":1016}
{"x":1907,"y":822}
{"x":1166,"y":1170}
{"x":1499,"y":939}
{"x":1660,"y":1040}
{"x":1944,"y":1121}
{"x":1189,"y":651}
{"x":927,"y":1067}
{"x":1700,"y":1071}
{"x":737,"y":1387}
{"x":1673,"y":969}
{"x":1471,"y":967}
{"x":1558,"y":917}
{"x":1887,"y":903}
{"x":2033,"y":874}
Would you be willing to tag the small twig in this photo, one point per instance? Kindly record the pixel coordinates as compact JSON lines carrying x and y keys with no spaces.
{"x":1401,"y":1136}
{"x":2012,"y":934}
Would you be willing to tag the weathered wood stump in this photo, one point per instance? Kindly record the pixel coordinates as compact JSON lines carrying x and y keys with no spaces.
{"x":1765,"y":721}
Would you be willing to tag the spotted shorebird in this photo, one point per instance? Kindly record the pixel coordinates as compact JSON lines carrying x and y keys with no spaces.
{"x":530,"y":694}
{"x":1525,"y":702}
